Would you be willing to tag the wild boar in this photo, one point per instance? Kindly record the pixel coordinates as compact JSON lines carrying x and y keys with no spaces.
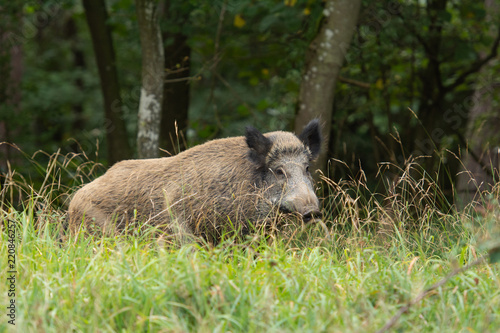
{"x":224,"y":184}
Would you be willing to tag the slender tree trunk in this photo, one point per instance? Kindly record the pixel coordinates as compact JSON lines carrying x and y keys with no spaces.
{"x":324,"y":59}
{"x":116,"y":133}
{"x":71,"y":34}
{"x":174,"y":119}
{"x":426,"y":135}
{"x":148,"y":133}
{"x":11,"y":71}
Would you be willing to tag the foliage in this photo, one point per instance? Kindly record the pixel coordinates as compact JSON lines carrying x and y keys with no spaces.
{"x":249,"y":64}
{"x":400,"y":105}
{"x":247,"y":76}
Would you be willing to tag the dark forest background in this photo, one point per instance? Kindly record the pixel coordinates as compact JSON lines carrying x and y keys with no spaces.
{"x":395,"y":83}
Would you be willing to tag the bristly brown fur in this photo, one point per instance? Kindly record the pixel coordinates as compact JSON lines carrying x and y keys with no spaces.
{"x":202,"y":191}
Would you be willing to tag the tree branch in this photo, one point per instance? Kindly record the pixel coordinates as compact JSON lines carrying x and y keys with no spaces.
{"x":475,"y":67}
{"x":181,"y":79}
{"x":355,"y":82}
{"x":413,"y":31}
{"x":426,"y":292}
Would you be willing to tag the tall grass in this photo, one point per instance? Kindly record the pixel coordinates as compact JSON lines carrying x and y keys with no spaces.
{"x":380,"y":251}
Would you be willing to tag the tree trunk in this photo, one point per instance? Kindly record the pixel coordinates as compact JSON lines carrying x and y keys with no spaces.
{"x":116,"y":134}
{"x":148,"y":129}
{"x":324,"y":59}
{"x":71,"y":34}
{"x":174,"y":118}
{"x":426,"y":136}
{"x":481,"y":158}
{"x":11,"y":71}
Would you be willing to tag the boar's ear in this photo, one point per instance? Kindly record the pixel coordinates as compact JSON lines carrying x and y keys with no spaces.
{"x":311,"y":137}
{"x":259,"y":145}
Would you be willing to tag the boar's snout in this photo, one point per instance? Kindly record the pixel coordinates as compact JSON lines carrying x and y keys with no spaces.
{"x":312,"y":215}
{"x":307,"y":208}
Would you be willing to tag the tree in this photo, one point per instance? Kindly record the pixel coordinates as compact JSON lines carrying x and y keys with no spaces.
{"x":71,"y":33}
{"x":11,"y":68}
{"x":481,"y":156}
{"x":174,"y":118}
{"x":418,"y":55}
{"x":117,"y":140}
{"x":324,"y":59}
{"x":451,"y":63}
{"x":148,"y":128}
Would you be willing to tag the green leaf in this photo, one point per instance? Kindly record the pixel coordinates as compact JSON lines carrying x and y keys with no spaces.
{"x":445,"y":16}
{"x":243,"y":110}
{"x":254,"y":81}
{"x":262,"y":105}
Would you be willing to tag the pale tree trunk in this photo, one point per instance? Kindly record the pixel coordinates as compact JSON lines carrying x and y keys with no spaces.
{"x":153,"y":72}
{"x":481,"y":162}
{"x":324,"y":59}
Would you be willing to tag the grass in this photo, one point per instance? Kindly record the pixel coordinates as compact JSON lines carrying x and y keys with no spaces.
{"x":382,"y":253}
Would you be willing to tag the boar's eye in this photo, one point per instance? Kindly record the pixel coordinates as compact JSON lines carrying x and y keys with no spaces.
{"x":307,"y":168}
{"x":279,"y":172}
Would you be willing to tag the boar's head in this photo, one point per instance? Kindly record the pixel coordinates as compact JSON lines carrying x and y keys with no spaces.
{"x":282,"y":163}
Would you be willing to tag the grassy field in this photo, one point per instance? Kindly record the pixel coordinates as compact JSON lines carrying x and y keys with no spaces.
{"x":375,"y":260}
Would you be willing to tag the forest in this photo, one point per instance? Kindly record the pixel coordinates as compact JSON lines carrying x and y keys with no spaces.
{"x":408,"y":97}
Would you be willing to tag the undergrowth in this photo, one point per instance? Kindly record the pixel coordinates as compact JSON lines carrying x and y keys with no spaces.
{"x":378,"y":254}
